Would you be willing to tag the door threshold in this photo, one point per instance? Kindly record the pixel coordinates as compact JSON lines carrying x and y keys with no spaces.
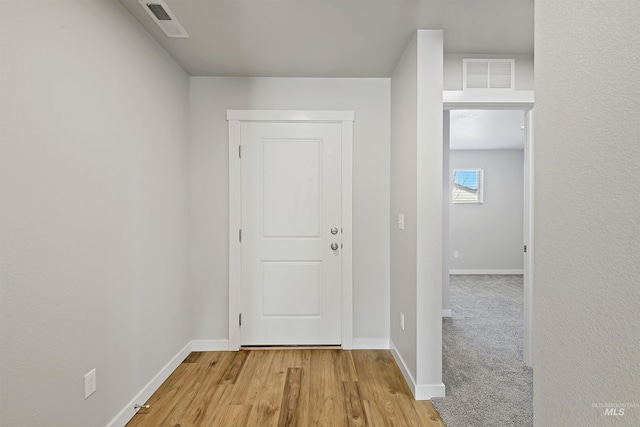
{"x":291,"y":347}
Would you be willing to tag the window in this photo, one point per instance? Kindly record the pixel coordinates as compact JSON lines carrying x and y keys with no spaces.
{"x":467,"y":185}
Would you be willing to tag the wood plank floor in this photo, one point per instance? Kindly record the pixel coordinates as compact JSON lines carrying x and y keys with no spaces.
{"x":299,"y":387}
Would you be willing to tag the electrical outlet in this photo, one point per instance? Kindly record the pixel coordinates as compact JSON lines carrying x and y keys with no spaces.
{"x":402,"y":320}
{"x":89,"y":383}
{"x":455,"y":254}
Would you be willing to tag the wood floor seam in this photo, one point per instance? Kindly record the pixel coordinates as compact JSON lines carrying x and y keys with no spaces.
{"x":286,"y":388}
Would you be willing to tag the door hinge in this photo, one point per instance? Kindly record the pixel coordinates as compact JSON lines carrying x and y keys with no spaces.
{"x":525,"y":249}
{"x":240,"y":235}
{"x":240,"y":319}
{"x":240,"y":151}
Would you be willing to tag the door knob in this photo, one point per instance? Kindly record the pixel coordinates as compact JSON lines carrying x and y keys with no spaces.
{"x":334,"y":246}
{"x":334,"y":230}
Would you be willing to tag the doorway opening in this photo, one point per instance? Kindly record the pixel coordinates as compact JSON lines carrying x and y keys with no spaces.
{"x":485,"y":128}
{"x":486,"y":347}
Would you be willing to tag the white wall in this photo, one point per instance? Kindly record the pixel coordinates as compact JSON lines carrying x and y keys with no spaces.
{"x":404,"y":180}
{"x":430,"y":160}
{"x":94,"y":210}
{"x":453,"y":69}
{"x":416,"y":192}
{"x":587,"y":217}
{"x":489,"y":236}
{"x":210,"y":99}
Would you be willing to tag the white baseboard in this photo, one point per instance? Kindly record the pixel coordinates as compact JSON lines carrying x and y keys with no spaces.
{"x":517,"y":271}
{"x":128,"y":412}
{"x":196,"y":345}
{"x":446,"y":313}
{"x":420,"y":391}
{"x":429,"y":391}
{"x":403,"y":368}
{"x":210,"y":345}
{"x":370,"y":344}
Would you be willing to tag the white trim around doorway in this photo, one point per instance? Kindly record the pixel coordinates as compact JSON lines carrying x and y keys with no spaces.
{"x":235,"y":117}
{"x":520,"y":100}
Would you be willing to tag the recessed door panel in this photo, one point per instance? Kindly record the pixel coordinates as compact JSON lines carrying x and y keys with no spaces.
{"x":292,"y":289}
{"x":291,"y":185}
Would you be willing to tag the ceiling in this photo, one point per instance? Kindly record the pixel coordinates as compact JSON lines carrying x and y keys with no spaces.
{"x":487,"y":129}
{"x":332,"y":38}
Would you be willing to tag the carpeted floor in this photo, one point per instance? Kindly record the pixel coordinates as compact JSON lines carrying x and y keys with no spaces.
{"x":486,"y":379}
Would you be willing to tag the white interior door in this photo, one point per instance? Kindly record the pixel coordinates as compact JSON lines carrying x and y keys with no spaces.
{"x":291,"y":208}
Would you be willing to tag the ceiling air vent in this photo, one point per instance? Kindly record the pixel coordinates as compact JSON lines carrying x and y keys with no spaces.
{"x":488,"y":73}
{"x":159,"y":11}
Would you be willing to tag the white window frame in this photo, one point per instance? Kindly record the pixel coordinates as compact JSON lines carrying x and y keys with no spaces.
{"x":479,"y":193}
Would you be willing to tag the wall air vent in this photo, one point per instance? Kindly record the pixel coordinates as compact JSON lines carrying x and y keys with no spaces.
{"x":160,"y":13}
{"x":488,"y":73}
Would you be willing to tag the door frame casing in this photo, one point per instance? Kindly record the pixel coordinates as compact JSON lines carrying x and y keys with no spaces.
{"x":511,"y":100}
{"x":235,"y":119}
